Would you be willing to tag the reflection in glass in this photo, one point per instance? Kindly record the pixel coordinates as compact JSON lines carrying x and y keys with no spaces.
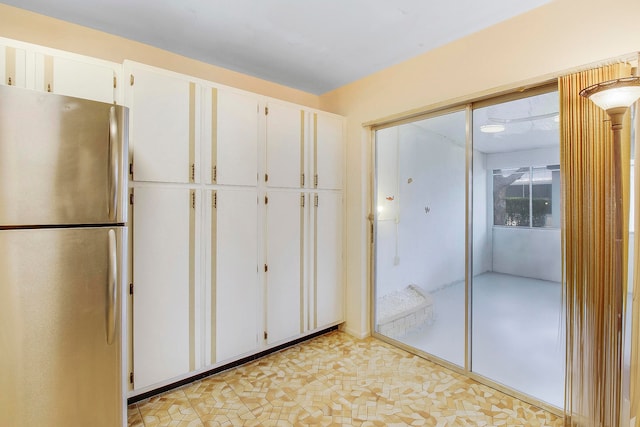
{"x":420,"y":235}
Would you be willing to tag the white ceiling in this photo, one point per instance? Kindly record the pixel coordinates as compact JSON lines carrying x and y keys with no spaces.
{"x":312,"y":45}
{"x":529,"y":123}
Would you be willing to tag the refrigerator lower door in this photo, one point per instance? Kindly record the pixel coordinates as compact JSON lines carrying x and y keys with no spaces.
{"x":60,"y":327}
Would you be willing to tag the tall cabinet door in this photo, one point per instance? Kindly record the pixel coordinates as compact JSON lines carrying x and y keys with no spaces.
{"x":234,"y":287}
{"x":285,"y":146}
{"x":164,"y":123}
{"x":284,"y":294}
{"x":13,"y":67}
{"x":328,"y":149}
{"x":234,"y":138}
{"x":164,"y":282}
{"x":328,"y":289}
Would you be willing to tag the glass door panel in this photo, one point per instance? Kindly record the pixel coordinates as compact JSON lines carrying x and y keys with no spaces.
{"x":517,"y":319}
{"x":420,"y":235}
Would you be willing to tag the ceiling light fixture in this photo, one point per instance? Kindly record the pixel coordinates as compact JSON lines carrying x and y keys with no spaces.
{"x":495,"y":128}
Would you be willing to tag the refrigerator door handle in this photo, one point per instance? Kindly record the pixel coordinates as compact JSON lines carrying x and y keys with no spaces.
{"x":114,"y":164}
{"x":112,"y":288}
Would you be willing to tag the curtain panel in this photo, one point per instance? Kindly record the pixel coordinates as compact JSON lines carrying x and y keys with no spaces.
{"x":591,"y":268}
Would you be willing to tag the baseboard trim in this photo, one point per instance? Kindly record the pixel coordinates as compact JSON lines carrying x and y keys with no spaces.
{"x":231,"y":365}
{"x":355,"y":333}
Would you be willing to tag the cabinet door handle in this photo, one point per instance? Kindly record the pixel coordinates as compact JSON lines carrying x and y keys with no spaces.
{"x":114,"y":165}
{"x":112,"y":293}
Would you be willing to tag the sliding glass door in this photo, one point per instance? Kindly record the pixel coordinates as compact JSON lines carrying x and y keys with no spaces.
{"x":420,"y":230}
{"x":517,"y":318}
{"x":475,"y":285}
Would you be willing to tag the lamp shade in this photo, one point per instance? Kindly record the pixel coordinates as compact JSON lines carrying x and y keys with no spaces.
{"x":620,"y":93}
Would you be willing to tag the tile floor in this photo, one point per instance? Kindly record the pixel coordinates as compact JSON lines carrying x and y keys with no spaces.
{"x":337,"y":380}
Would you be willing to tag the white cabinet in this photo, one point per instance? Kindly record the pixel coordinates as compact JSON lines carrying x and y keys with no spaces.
{"x":164,"y":125}
{"x":304,"y":149}
{"x":328,"y":151}
{"x":234,"y":137}
{"x":88,"y":79}
{"x":164,"y":312}
{"x":235,"y":294}
{"x":304,"y":271}
{"x":13,"y":66}
{"x":327,"y":283}
{"x":64,"y":73}
{"x":271,"y":259}
{"x":284,"y":260}
{"x":285,"y":140}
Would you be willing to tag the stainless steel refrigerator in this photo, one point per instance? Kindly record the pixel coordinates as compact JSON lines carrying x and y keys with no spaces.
{"x":63,"y":234}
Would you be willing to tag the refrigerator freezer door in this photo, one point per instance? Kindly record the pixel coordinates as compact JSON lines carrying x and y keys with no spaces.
{"x":60,"y":327}
{"x":63,"y":160}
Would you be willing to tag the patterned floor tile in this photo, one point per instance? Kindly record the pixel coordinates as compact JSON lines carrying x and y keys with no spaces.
{"x":337,"y":380}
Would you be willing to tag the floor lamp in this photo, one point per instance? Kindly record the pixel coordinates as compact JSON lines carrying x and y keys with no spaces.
{"x":615,"y":97}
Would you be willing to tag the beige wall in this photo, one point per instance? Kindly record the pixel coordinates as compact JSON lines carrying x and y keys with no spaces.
{"x":533,"y":47}
{"x":29,"y":27}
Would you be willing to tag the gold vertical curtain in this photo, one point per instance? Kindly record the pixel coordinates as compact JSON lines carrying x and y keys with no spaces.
{"x":594,"y":343}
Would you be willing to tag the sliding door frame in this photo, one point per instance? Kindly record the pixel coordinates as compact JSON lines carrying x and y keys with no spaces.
{"x":468,"y":106}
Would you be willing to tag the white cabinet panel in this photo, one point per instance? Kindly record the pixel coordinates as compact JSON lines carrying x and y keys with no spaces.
{"x":284,"y":259}
{"x":328,"y":278}
{"x":285,"y":146}
{"x":80,"y":79}
{"x":161,"y":277}
{"x":328,"y":151}
{"x":49,"y":70}
{"x":234,"y":138}
{"x":163,"y":125}
{"x":13,"y":67}
{"x":235,"y":291}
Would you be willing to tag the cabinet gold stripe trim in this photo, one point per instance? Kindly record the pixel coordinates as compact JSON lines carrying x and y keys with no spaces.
{"x":192,"y":280}
{"x":315,"y":150}
{"x":214,"y":257}
{"x":214,"y":135}
{"x":302,"y":293}
{"x":48,"y":73}
{"x":301,"y":148}
{"x":10,"y":66}
{"x":192,"y":132}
